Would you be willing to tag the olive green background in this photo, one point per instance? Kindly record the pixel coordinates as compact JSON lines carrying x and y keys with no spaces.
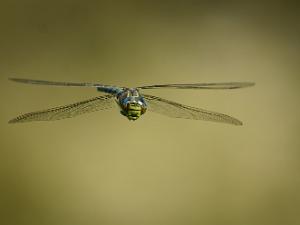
{"x":100,"y":168}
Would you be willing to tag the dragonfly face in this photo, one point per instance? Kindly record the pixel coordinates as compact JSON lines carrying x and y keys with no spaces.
{"x":132,"y":104}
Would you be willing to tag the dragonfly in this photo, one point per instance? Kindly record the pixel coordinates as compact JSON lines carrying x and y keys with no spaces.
{"x":132,"y":103}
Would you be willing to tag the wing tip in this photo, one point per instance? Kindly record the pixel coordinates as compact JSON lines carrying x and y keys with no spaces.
{"x":12,"y":121}
{"x":18,"y":119}
{"x":234,"y":121}
{"x":12,"y":79}
{"x":249,"y":84}
{"x":19,"y":80}
{"x":238,"y":123}
{"x":237,"y":85}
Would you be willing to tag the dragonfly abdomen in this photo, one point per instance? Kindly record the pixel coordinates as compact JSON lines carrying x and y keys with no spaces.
{"x":110,"y":89}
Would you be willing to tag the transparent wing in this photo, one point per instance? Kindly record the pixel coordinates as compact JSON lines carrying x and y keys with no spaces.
{"x":176,"y":110}
{"x":67,"y":111}
{"x":55,"y":83}
{"x":230,"y":85}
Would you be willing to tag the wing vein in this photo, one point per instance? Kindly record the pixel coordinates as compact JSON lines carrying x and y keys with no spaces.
{"x":229,"y":85}
{"x":177,"y":110}
{"x":68,"y":111}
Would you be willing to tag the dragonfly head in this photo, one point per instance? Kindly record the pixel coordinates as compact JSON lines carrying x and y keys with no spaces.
{"x":132,"y":104}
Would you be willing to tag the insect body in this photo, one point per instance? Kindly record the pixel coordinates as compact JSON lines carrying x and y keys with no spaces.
{"x":132,"y":103}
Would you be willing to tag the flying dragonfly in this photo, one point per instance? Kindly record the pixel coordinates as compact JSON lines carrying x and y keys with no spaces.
{"x":132,"y":103}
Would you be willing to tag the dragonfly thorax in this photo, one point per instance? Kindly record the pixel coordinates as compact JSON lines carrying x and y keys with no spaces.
{"x":132,"y":104}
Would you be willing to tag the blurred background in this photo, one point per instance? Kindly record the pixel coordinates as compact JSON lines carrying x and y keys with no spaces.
{"x":100,"y":168}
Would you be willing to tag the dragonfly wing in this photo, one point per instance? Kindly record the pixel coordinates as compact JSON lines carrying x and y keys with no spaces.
{"x":56,"y":83}
{"x":230,"y":85}
{"x":176,"y":110}
{"x":68,"y":111}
